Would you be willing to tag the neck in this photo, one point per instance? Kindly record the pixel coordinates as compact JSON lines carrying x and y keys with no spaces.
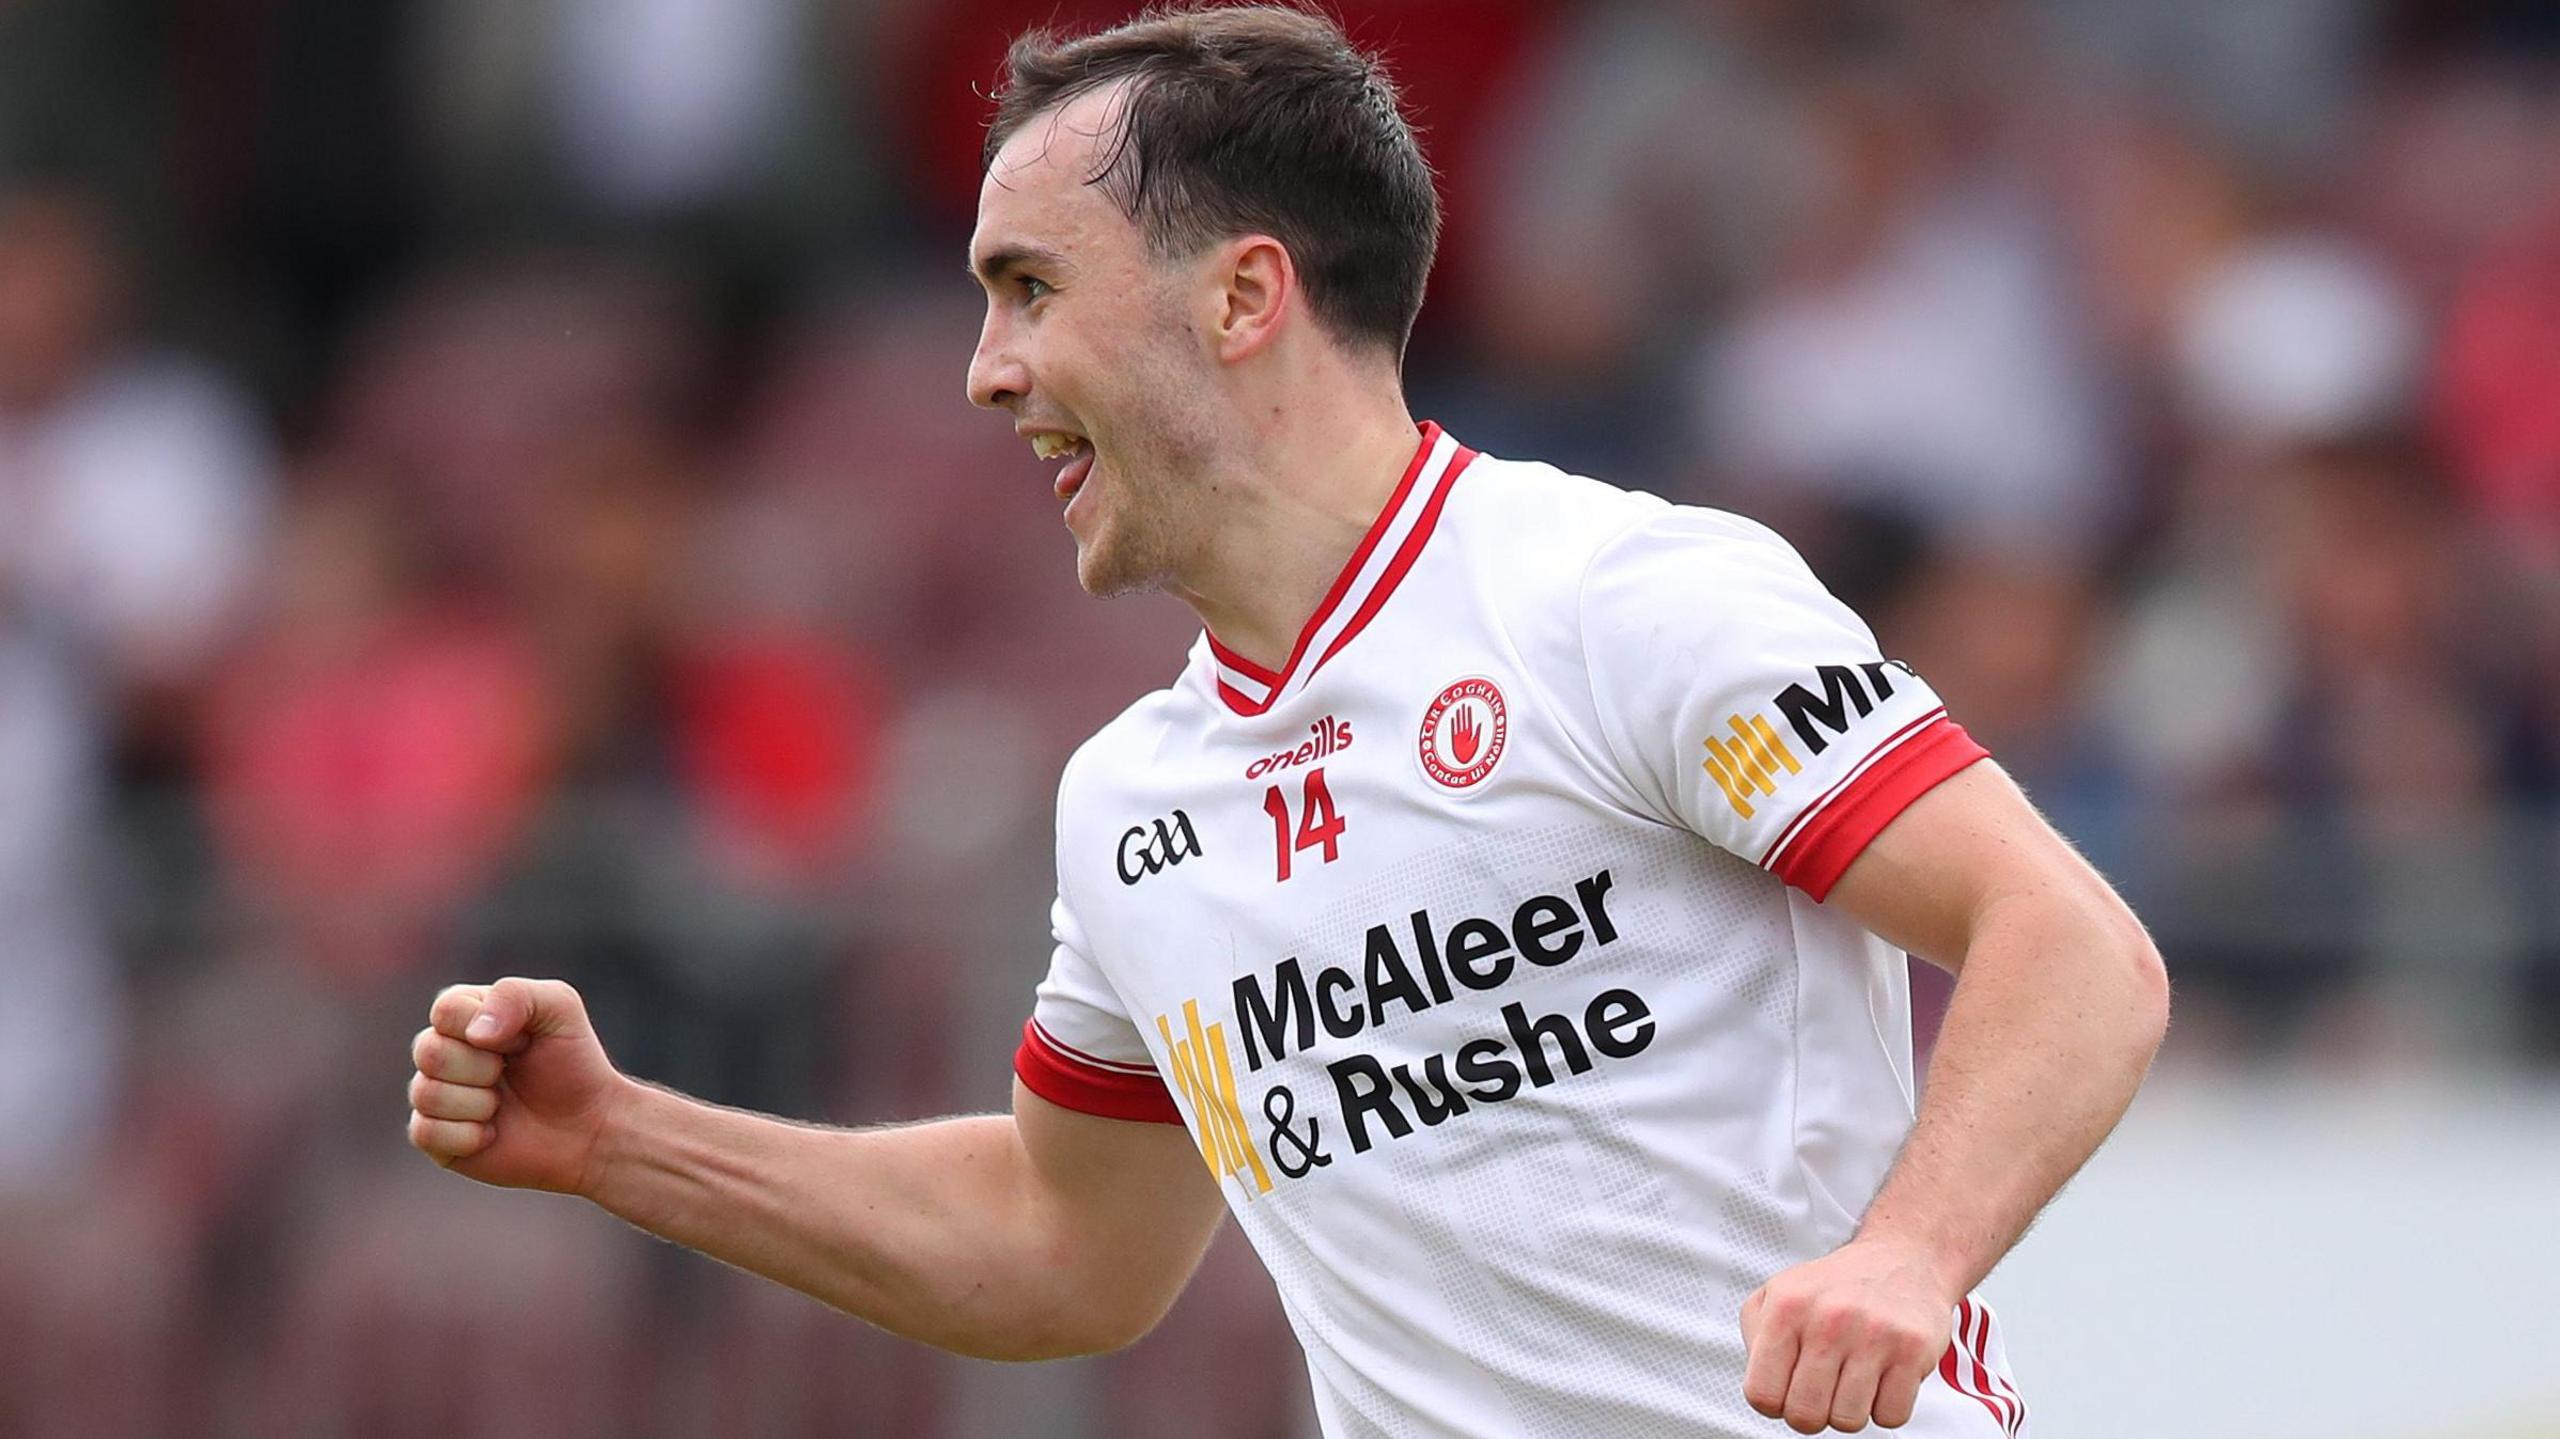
{"x":1296,"y":507}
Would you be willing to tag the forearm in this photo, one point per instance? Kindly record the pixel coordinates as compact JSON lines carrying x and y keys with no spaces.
{"x":932,"y":1231}
{"x":2055,"y":1019}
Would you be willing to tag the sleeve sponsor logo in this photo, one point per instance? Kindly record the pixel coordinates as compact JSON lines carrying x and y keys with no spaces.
{"x":1407,"y":966}
{"x":1749,"y":761}
{"x":1754,"y":760}
{"x":1844,"y":688}
{"x":1153,"y":848}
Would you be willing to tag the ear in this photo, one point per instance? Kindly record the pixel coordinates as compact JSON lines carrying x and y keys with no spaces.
{"x":1259,"y":287}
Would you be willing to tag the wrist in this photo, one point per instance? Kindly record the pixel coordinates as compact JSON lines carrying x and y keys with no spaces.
{"x":1944,"y":1264}
{"x":622,"y":1125}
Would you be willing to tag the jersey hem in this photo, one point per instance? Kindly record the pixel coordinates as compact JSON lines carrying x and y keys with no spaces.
{"x":1079,"y":1082}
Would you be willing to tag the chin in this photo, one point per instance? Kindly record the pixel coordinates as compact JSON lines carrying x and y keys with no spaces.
{"x":1107,"y":575}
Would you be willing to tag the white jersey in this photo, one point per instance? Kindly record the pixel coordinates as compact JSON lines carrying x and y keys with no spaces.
{"x":1481,"y":948}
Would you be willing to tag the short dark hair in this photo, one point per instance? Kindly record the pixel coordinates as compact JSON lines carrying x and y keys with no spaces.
{"x":1253,"y":119}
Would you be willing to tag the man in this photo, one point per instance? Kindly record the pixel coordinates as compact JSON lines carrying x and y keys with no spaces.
{"x":1509,"y":897}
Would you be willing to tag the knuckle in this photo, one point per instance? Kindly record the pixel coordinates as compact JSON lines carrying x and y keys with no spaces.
{"x":1804,"y":1423}
{"x":1761,"y":1398}
{"x":1848,"y":1423}
{"x":1836,"y":1324}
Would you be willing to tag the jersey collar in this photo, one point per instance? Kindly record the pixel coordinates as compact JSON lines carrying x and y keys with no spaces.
{"x":1395,"y":539}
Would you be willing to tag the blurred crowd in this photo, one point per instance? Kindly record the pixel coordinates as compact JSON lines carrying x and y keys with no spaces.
{"x":485,"y":486}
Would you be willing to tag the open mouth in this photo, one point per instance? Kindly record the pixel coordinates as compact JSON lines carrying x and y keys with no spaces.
{"x":1075,"y":450}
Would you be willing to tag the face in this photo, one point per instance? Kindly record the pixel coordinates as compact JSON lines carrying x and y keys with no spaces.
{"x":1089,"y":344}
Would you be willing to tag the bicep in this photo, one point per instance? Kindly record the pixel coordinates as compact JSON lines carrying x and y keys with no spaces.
{"x":1131,"y":1206}
{"x":1971,"y":842}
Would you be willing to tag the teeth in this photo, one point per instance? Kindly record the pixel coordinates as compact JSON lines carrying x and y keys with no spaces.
{"x":1056,"y":447}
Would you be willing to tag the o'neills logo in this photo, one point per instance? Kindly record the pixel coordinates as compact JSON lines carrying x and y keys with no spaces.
{"x":1324,"y":737}
{"x":1463,"y":733}
{"x":1361,"y":1098}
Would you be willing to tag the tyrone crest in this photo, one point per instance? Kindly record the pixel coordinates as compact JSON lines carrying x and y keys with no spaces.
{"x":1463,"y":733}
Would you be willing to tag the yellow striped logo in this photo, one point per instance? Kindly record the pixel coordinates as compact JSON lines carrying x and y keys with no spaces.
{"x":1749,"y":761}
{"x":1207,"y":1078}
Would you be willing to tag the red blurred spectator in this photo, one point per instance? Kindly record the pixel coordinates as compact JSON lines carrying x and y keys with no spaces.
{"x":2497,"y":390}
{"x":775,"y":733}
{"x":374,"y":754}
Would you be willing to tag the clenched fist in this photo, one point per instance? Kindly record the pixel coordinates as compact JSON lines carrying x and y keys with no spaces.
{"x":1846,"y":1339}
{"x":512,"y":1087}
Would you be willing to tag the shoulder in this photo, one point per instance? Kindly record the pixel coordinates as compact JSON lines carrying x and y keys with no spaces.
{"x":1556,"y":547}
{"x":1527,"y":513}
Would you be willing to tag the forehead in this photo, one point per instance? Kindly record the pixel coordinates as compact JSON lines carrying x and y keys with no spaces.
{"x":1038,"y":188}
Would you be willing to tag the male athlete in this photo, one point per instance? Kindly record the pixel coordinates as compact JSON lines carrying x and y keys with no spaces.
{"x":1508,"y":901}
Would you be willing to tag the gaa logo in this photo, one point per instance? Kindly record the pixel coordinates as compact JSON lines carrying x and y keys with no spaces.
{"x":1143,"y":853}
{"x":1463,"y":733}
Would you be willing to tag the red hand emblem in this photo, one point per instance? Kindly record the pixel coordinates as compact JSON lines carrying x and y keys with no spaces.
{"x":1463,"y":735}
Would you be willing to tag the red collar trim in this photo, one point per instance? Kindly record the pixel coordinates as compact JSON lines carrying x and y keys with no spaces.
{"x":1394,"y":541}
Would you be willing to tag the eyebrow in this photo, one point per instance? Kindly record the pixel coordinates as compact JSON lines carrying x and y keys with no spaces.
{"x":992,"y":267}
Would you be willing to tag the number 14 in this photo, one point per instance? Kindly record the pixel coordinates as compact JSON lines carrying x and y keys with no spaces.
{"x":1319,"y":824}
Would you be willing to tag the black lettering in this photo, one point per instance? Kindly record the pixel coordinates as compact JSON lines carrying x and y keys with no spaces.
{"x":1388,"y":978}
{"x":1874,"y":671}
{"x":1594,"y":894}
{"x":1612,"y":1011}
{"x":1373,"y":1095}
{"x":1429,"y":949}
{"x":1435,"y":1099}
{"x":1480,"y":1064}
{"x":1274,"y":1024}
{"x":1145,"y":863}
{"x":1840,"y":690}
{"x":1541,"y":919}
{"x":1472,"y":940}
{"x":1529,"y":1037}
{"x":1338,"y":1023}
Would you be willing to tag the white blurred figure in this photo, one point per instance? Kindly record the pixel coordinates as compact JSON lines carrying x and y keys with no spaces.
{"x":2297,"y":336}
{"x":134,"y":489}
{"x":62,"y":1029}
{"x":669,"y":105}
{"x":1921,"y":357}
{"x":138,"y":482}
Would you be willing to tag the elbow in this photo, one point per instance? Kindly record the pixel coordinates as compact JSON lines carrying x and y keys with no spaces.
{"x":1072,"y":1336}
{"x":1074,"y":1323}
{"x":2146,"y":987}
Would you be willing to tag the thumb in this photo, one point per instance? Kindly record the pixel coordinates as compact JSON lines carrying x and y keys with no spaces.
{"x":518,"y":1011}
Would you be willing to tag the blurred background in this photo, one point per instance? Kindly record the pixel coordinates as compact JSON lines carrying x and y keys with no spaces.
{"x":485,"y":486}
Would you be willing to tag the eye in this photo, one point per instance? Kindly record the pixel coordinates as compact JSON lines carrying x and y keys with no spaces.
{"x":1034,"y":288}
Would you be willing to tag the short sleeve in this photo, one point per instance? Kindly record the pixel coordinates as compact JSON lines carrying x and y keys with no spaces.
{"x":1079,"y":1049}
{"x":1751,"y":706}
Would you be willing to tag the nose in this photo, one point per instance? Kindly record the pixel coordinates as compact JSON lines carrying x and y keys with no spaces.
{"x":997,"y":377}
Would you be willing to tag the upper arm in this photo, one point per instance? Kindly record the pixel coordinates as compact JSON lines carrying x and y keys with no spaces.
{"x":1127,"y":1206}
{"x":1968,"y":845}
{"x":1130,"y":1206}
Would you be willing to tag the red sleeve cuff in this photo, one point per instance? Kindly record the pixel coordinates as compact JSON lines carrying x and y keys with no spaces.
{"x":1087,"y":1085}
{"x":1818,"y":848}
